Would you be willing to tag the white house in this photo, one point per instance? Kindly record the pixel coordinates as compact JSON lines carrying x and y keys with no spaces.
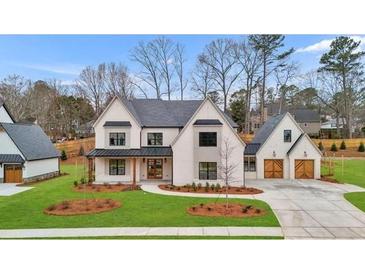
{"x":281,"y":149}
{"x":173,"y":141}
{"x":26,"y":153}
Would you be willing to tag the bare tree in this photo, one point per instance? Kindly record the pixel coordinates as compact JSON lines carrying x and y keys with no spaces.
{"x":91,"y":84}
{"x":219,"y":56}
{"x":249,"y":59}
{"x":118,"y":81}
{"x":227,"y":167}
{"x":179,"y":68}
{"x":201,"y":80}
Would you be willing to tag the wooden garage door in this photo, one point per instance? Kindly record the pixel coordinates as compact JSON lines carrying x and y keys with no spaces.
{"x":304,"y":169}
{"x":13,"y":174}
{"x":273,"y":168}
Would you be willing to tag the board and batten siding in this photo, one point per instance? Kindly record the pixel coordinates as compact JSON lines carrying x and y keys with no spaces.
{"x":40,"y":167}
{"x":168,"y":135}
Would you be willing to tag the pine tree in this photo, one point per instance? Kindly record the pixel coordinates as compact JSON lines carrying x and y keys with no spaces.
{"x":343,"y":145}
{"x":361,"y":147}
{"x":334,"y":147}
{"x":63,"y":155}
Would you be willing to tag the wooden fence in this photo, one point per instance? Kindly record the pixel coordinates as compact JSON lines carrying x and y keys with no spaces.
{"x":72,"y":148}
{"x":350,"y":143}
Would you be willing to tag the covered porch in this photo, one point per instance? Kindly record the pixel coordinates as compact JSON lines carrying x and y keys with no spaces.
{"x":148,"y":164}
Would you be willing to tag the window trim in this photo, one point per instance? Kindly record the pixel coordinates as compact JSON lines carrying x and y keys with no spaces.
{"x":208,"y":167}
{"x":154,"y":134}
{"x":251,"y":165}
{"x":287,"y":130}
{"x":209,"y":141}
{"x":120,"y":165}
{"x":117,"y":133}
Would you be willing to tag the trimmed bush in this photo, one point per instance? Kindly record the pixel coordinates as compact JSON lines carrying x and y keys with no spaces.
{"x":193,"y":185}
{"x":343,"y":145}
{"x":361,"y":147}
{"x":320,"y":146}
{"x":63,"y":155}
{"x":334,"y":147}
{"x":81,"y":151}
{"x":206,"y":187}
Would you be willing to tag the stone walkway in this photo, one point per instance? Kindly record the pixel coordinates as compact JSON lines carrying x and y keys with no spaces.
{"x":306,"y":209}
{"x":140,"y":231}
{"x":7,"y":189}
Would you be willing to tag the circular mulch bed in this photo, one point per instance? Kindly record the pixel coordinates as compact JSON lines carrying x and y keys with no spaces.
{"x":80,"y":207}
{"x":210,"y":189}
{"x":220,"y":210}
{"x":105,"y":187}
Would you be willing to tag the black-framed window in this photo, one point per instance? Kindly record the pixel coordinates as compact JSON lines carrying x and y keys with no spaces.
{"x":116,"y":167}
{"x":250,"y":163}
{"x":207,"y":171}
{"x":207,"y":139}
{"x":154,"y":139}
{"x":287,"y":135}
{"x":117,"y":139}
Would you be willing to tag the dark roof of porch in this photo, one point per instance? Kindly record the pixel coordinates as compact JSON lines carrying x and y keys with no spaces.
{"x":11,"y":158}
{"x":142,"y":152}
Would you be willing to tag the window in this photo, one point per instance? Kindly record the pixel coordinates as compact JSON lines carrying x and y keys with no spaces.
{"x":287,"y":135}
{"x":154,"y":139}
{"x":117,"y":167}
{"x":250,"y":163}
{"x":207,"y":171}
{"x":208,"y":139}
{"x":117,"y":139}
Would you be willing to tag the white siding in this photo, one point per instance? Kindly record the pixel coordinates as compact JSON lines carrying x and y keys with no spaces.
{"x":4,"y":116}
{"x":117,"y":112}
{"x":168,"y":135}
{"x":40,"y":167}
{"x":102,"y":171}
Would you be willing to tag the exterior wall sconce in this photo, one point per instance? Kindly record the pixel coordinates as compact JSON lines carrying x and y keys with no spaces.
{"x":274,"y":154}
{"x":305,"y":154}
{"x":165,"y":159}
{"x":144,"y":160}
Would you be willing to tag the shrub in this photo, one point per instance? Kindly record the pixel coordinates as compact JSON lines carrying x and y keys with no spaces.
{"x":217,"y":187}
{"x":188,"y":186}
{"x":178,"y":188}
{"x":63,"y":155}
{"x":199,"y":186}
{"x":361,"y":147}
{"x":244,"y":210}
{"x":82,"y":181}
{"x":334,"y":147}
{"x":258,"y":210}
{"x":193,"y":186}
{"x":201,"y":205}
{"x":51,"y":207}
{"x":65,"y":205}
{"x":212,"y":187}
{"x":76,"y":183}
{"x":81,"y":151}
{"x":320,"y":146}
{"x":206,"y":187}
{"x":343,"y":145}
{"x":209,"y":209}
{"x":193,"y":208}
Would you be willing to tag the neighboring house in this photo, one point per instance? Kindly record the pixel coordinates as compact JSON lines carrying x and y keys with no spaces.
{"x":308,"y":119}
{"x":155,"y":140}
{"x":281,"y":149}
{"x":26,"y":153}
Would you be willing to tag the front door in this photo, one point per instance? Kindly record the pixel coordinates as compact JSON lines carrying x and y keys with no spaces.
{"x":154,"y":168}
{"x":13,"y":174}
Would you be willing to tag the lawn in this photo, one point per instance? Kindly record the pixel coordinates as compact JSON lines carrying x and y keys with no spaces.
{"x":353,"y":172}
{"x":25,"y":210}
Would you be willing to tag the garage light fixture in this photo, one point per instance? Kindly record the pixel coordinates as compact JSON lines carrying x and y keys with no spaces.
{"x":305,"y":154}
{"x":274,"y":154}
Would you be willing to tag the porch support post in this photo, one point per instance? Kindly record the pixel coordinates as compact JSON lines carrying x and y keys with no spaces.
{"x":134,"y":172}
{"x":90,"y":169}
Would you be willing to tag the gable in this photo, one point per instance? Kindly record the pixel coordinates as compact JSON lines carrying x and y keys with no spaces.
{"x":304,"y":145}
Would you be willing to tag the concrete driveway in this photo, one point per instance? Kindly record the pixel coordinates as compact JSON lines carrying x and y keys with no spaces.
{"x":312,"y":208}
{"x":11,"y":189}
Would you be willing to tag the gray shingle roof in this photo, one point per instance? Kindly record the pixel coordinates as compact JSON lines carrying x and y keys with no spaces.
{"x":305,"y":115}
{"x":163,"y":113}
{"x":11,"y":158}
{"x":265,"y":131}
{"x":143,"y":152}
{"x":251,"y":148}
{"x":33,"y":143}
{"x":207,"y":122}
{"x":117,"y":124}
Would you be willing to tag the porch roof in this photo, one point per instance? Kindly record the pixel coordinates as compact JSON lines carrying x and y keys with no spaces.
{"x":142,"y":152}
{"x":11,"y":158}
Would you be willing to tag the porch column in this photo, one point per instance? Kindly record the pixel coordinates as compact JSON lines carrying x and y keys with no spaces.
{"x":134,"y":171}
{"x":90,"y":169}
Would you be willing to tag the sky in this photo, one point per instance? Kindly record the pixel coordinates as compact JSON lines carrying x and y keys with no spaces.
{"x":41,"y":57}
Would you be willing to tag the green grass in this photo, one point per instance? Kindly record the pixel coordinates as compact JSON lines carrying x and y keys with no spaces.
{"x":353,"y":172}
{"x":25,"y":210}
{"x":162,"y":238}
{"x":357,"y":199}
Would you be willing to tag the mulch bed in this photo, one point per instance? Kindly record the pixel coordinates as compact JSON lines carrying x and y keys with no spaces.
{"x":329,"y":180}
{"x":203,"y":189}
{"x":92,"y":188}
{"x":220,"y":210}
{"x":81,"y":207}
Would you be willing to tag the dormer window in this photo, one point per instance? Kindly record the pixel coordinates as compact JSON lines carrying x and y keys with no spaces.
{"x":287,"y":135}
{"x":154,"y":139}
{"x":117,"y":139}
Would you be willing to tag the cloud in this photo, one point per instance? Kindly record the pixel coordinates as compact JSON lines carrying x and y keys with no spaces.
{"x":68,"y":69}
{"x":324,"y":45}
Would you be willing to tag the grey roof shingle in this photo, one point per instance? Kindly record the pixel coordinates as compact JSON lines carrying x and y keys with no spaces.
{"x":33,"y":143}
{"x":163,"y":113}
{"x":11,"y":158}
{"x":117,"y":124}
{"x":268,"y":127}
{"x":143,"y":152}
{"x":207,"y":122}
{"x":303,"y":115}
{"x":251,"y":148}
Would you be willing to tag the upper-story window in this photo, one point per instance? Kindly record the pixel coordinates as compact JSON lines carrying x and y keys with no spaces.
{"x":154,"y":139}
{"x":287,"y":135}
{"x":117,"y":139}
{"x":207,"y":139}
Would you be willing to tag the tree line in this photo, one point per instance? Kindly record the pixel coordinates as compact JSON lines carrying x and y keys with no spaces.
{"x":238,"y":74}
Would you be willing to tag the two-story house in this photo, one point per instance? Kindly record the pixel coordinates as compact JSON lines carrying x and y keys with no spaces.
{"x":174,"y":141}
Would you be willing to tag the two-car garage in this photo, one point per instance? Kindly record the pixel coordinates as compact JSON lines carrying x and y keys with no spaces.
{"x":274,"y":169}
